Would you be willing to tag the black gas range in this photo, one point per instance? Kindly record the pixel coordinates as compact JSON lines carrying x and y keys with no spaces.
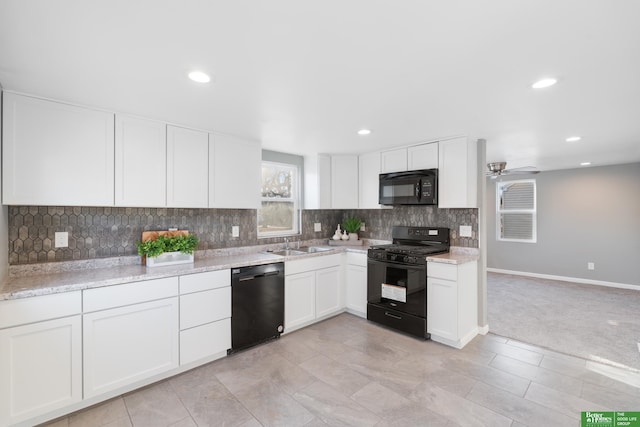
{"x":397,"y":277}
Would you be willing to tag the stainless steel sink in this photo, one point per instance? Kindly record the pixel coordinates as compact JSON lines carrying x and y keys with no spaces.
{"x":312,"y":249}
{"x":288,"y":252}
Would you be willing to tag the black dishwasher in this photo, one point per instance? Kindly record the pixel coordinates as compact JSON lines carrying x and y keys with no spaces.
{"x":257,"y":304}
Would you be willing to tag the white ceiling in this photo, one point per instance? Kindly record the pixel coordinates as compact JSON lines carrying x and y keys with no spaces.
{"x":303,"y":76}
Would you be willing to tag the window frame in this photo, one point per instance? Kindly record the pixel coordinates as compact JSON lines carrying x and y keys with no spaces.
{"x":295,"y":199}
{"x":533,"y":212}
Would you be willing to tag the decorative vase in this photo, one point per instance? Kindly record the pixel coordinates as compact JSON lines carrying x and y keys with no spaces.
{"x":345,"y":236}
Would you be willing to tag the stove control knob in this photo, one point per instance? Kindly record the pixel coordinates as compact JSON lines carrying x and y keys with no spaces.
{"x":410,"y":260}
{"x":393,"y":257}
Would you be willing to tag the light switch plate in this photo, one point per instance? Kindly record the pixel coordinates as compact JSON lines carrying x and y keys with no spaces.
{"x":317,"y":226}
{"x":465,"y":231}
{"x":62,"y":239}
{"x":235,"y":231}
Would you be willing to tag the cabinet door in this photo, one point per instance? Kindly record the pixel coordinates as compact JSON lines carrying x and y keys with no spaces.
{"x":356,"y":277}
{"x":187,"y":168}
{"x":40,"y":367}
{"x":344,"y":182}
{"x":56,"y":154}
{"x":234,"y":179}
{"x":369,"y":181}
{"x":424,"y":156}
{"x":128,"y":344}
{"x":393,"y":161}
{"x":205,"y":341}
{"x":329,"y":299}
{"x":442,"y":308}
{"x":317,"y":181}
{"x":141,"y":162}
{"x":457,"y":174}
{"x":299,"y":300}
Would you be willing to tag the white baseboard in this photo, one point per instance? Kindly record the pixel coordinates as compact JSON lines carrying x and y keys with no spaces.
{"x":483,"y":330}
{"x":566,"y":279}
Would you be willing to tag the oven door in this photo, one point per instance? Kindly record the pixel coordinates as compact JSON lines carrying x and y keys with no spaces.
{"x":397,"y":286}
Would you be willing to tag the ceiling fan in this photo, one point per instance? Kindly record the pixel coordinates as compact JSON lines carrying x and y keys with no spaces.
{"x":499,"y":168}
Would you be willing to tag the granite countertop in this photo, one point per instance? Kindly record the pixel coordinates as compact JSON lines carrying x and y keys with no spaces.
{"x":45,"y":279}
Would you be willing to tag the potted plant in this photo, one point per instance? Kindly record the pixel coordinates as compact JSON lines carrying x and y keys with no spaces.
{"x":168,"y":249}
{"x":352,"y":225}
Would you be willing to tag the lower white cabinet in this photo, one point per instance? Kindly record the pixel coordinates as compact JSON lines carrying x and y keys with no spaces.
{"x":356,"y":284}
{"x":129,"y":344}
{"x":452,"y":302}
{"x":205,"y":316}
{"x":40,"y":368}
{"x":312,"y":290}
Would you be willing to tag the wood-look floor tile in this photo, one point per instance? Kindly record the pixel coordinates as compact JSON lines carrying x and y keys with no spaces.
{"x":335,"y":374}
{"x":522,"y":354}
{"x":187,"y":422}
{"x":104,"y":413}
{"x":379,"y":399}
{"x":517,"y":408}
{"x":612,"y":399}
{"x":155,"y":405}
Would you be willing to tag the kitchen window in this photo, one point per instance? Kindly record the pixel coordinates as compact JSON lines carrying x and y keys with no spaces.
{"x":279,"y":213}
{"x":516,"y":211}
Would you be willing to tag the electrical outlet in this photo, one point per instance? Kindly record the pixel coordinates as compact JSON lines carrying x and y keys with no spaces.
{"x":317,"y":226}
{"x":362,"y":227}
{"x":62,"y":239}
{"x":591,"y":266}
{"x":235,"y":231}
{"x":465,"y":231}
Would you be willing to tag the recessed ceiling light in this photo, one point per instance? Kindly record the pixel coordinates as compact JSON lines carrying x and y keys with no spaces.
{"x":544,"y":83}
{"x":573,"y":139}
{"x":199,"y":76}
{"x":585,"y":163}
{"x":364,"y":131}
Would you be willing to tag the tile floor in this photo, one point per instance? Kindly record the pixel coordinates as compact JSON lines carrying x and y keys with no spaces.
{"x":350,"y":372}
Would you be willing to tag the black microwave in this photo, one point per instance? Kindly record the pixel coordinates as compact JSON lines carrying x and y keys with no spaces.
{"x":419,"y":187}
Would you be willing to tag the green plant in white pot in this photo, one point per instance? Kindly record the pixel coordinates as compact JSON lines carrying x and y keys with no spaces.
{"x":352,"y":225}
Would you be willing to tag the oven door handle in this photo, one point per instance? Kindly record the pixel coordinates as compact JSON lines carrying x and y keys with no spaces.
{"x":395,"y":316}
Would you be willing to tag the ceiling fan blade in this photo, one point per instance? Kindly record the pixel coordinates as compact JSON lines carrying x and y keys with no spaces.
{"x":521,"y":172}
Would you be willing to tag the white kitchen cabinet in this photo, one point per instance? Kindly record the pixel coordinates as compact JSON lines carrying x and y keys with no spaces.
{"x":393,"y":160}
{"x":344,"y":182}
{"x":205,"y":316}
{"x":132,"y":336}
{"x":423,"y":156}
{"x":457,"y":173}
{"x":140,"y":162}
{"x":317,"y":181}
{"x":56,"y":154}
{"x":312,"y":291}
{"x":452,"y":295}
{"x":187,"y":168}
{"x":299,"y":300}
{"x":369,"y":180}
{"x":234,"y":172}
{"x":40,"y":362}
{"x":356,"y":284}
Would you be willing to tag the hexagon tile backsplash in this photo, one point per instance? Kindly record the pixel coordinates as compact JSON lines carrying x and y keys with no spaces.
{"x":102,"y":232}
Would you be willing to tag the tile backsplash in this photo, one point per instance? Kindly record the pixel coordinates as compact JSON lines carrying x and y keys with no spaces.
{"x":102,"y":232}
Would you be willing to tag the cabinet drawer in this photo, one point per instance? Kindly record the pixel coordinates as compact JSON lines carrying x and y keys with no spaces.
{"x":204,"y":307}
{"x":129,"y":293}
{"x":204,"y":341}
{"x":29,"y":310}
{"x":311,"y":264}
{"x":204,"y":281}
{"x":442,"y":271}
{"x":356,"y":259}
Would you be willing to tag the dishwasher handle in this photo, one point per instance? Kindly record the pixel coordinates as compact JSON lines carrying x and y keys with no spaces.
{"x":256,"y":276}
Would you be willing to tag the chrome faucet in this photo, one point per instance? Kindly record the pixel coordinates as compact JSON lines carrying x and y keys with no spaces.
{"x":286,"y":243}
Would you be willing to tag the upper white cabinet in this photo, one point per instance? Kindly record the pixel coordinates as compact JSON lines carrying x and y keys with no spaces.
{"x":369,"y":180}
{"x":457,"y":173}
{"x":187,"y":168}
{"x":344,"y":182}
{"x":423,"y":156}
{"x":393,"y":161}
{"x":56,"y":154}
{"x":140,"y":162}
{"x":317,"y":181}
{"x":234,"y":172}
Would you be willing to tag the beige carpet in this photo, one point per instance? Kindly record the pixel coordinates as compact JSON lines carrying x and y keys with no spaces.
{"x":592,"y":322}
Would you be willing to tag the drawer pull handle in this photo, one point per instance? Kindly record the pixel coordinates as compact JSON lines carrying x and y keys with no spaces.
{"x":386,"y":313}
